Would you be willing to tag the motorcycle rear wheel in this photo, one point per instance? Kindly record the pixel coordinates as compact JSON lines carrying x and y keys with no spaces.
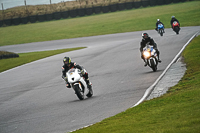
{"x":90,"y":92}
{"x":176,"y":30}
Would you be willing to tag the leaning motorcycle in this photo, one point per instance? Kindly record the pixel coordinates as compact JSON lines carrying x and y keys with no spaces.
{"x":151,"y":57}
{"x":160,"y":29}
{"x":176,"y":27}
{"x":78,"y":83}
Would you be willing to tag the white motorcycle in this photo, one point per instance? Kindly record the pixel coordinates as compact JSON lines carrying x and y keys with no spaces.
{"x":151,"y":57}
{"x":78,"y":83}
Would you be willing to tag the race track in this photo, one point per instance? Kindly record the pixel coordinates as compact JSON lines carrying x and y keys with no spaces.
{"x":34,"y":99}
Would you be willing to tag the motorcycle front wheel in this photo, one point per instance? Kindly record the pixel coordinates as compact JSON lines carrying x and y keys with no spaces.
{"x":153,"y":65}
{"x":161,"y":32}
{"x":79,"y":92}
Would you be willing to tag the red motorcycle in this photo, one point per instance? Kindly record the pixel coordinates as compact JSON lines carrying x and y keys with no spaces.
{"x":176,"y":27}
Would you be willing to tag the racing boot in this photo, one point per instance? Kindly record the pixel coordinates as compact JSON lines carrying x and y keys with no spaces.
{"x":145,"y":63}
{"x":87,"y":80}
{"x":158,"y":52}
{"x":68,"y":85}
{"x":159,"y":60}
{"x":88,"y":83}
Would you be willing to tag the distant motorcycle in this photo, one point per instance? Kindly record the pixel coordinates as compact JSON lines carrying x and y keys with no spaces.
{"x":78,"y":83}
{"x":151,"y":57}
{"x":160,"y":29}
{"x":176,"y":27}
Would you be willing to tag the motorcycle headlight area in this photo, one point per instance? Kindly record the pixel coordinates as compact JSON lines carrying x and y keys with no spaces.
{"x":146,"y":54}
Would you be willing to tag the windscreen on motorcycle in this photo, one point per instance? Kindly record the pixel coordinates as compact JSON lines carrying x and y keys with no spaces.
{"x":71,"y":70}
{"x":148,"y":47}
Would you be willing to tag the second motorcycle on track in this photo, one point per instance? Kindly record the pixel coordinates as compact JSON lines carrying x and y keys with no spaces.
{"x":151,"y":57}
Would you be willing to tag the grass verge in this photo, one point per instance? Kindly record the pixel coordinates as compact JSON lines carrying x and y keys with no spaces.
{"x":178,"y":111}
{"x":24,"y":58}
{"x":116,"y":22}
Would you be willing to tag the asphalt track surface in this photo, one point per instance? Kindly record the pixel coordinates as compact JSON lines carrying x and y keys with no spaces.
{"x":34,"y":99}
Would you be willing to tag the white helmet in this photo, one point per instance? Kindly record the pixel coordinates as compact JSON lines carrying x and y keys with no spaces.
{"x":173,"y":16}
{"x":158,"y":19}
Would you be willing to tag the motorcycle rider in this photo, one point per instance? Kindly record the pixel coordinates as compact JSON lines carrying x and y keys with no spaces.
{"x":68,"y":65}
{"x":172,"y":20}
{"x":146,"y":39}
{"x":157,"y":23}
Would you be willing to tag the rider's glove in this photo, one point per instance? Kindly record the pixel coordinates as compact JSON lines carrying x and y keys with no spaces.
{"x":82,"y":72}
{"x":65,"y":79}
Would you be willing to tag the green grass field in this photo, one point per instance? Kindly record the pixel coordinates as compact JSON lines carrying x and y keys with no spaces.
{"x":187,"y":13}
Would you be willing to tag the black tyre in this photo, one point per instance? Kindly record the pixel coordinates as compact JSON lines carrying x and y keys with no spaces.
{"x":176,"y":29}
{"x":153,"y":65}
{"x":90,"y":92}
{"x":79,"y":93}
{"x":161,"y":32}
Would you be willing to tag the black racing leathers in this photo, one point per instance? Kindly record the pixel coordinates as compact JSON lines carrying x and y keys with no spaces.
{"x":151,"y":42}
